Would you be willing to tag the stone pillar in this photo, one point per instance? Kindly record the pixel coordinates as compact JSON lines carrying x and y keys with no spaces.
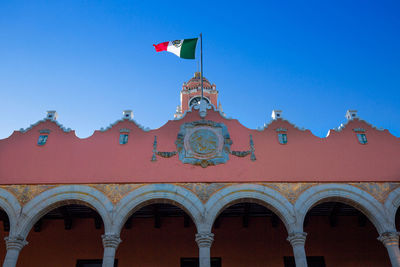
{"x":110,"y":244}
{"x":204,"y":241}
{"x":297,"y":240}
{"x":391,"y":242}
{"x":14,"y":244}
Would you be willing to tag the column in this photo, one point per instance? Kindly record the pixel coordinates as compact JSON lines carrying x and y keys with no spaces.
{"x":14,"y":244}
{"x":297,"y":240}
{"x":110,"y":244}
{"x":391,"y":242}
{"x":204,"y":241}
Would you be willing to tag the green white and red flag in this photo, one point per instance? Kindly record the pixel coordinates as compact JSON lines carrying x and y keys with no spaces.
{"x":185,"y":48}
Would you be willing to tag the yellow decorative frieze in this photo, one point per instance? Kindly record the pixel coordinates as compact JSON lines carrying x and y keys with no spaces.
{"x":204,"y":190}
{"x":290,"y":190}
{"x":379,"y":191}
{"x":25,"y":193}
{"x":115,"y":192}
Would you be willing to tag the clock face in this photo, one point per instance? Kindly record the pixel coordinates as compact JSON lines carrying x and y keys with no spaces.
{"x":196,"y":101}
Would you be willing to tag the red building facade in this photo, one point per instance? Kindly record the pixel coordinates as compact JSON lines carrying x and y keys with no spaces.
{"x":202,"y":190}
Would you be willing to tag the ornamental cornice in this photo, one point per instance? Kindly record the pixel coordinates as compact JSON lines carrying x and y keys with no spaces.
{"x":62,"y":127}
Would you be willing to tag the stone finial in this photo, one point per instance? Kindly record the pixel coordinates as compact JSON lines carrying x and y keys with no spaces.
{"x":111,"y":240}
{"x":276,"y":114}
{"x":203,"y":108}
{"x":51,"y":115}
{"x":297,"y":238}
{"x":389,"y":238}
{"x":204,"y":239}
{"x":220,"y":107}
{"x":15,"y":242}
{"x":351,"y":114}
{"x":127,"y":114}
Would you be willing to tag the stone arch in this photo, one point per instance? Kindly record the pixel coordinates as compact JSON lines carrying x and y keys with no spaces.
{"x":157,"y":193}
{"x":259,"y":194}
{"x":392,"y":204}
{"x":10,"y":204}
{"x":343,"y":193}
{"x":62,"y":195}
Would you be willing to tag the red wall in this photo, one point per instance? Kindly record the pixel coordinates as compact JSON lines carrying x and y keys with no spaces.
{"x":259,"y":245}
{"x":101,"y":159}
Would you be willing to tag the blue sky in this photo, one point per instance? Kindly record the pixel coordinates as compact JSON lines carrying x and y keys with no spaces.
{"x":89,"y":60}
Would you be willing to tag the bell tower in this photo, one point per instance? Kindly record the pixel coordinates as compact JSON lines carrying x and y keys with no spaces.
{"x":191,"y":94}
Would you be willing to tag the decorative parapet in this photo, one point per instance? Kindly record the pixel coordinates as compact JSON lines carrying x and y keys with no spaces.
{"x":145,"y":129}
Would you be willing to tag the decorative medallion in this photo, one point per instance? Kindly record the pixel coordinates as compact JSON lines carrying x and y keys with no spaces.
{"x":203,"y":143}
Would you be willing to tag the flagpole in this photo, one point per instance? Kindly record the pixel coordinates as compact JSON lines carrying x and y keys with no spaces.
{"x":201,"y":65}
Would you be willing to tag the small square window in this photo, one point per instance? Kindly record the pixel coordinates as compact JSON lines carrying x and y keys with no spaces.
{"x":282,"y":137}
{"x":42,"y":140}
{"x":362,"y":138}
{"x":123,"y":139}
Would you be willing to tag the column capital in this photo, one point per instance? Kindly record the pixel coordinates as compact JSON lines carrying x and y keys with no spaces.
{"x":204,"y":239}
{"x":389,"y":238}
{"x":15,"y":242}
{"x":297,"y":238}
{"x":111,"y":240}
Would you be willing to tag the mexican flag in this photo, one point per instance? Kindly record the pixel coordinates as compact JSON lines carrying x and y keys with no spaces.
{"x":182,"y":48}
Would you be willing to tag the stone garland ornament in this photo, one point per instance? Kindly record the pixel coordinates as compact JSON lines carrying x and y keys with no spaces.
{"x":205,"y":143}
{"x":159,"y":153}
{"x":247,"y":152}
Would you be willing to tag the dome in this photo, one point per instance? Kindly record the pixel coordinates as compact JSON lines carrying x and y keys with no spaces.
{"x":195,"y":82}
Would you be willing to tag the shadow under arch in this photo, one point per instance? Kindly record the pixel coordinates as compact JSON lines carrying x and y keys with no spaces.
{"x":157,"y":193}
{"x":11,"y":206}
{"x":342,"y":193}
{"x":250,"y":193}
{"x":64,"y":195}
